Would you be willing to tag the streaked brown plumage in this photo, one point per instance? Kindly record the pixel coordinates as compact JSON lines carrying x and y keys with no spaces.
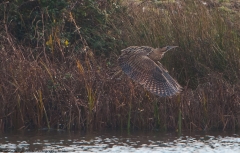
{"x":143,"y":66}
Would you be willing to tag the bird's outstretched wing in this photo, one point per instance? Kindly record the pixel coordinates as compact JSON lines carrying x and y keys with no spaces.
{"x":153,"y":77}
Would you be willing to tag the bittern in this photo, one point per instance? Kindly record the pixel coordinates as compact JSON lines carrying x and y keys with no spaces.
{"x":142,"y":65}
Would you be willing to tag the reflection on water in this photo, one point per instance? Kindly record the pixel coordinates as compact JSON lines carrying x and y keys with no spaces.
{"x":120,"y":142}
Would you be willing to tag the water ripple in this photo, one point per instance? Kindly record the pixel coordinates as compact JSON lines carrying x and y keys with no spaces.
{"x":140,"y":143}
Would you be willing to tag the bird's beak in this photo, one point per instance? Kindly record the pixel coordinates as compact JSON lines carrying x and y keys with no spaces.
{"x":171,"y":47}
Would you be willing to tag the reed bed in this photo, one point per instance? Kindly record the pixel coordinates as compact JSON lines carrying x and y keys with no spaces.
{"x":53,"y":84}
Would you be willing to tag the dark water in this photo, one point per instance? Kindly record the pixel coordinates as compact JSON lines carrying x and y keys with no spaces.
{"x":65,"y":141}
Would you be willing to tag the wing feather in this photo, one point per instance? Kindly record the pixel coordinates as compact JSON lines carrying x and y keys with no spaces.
{"x":139,"y":67}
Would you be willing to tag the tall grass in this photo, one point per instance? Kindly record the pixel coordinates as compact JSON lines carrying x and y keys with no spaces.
{"x":54,"y":80}
{"x":207,"y":37}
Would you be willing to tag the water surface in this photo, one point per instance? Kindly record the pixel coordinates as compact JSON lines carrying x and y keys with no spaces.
{"x":112,"y":141}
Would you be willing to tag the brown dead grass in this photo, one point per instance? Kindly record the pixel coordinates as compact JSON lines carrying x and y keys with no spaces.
{"x":75,"y":90}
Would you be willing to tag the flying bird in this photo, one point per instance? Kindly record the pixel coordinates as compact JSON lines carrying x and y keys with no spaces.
{"x":141,"y":64}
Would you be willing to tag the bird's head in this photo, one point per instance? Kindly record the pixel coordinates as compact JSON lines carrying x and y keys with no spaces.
{"x":167,"y":48}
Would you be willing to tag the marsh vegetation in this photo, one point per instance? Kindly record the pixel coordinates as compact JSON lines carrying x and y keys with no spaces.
{"x":58,"y":59}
